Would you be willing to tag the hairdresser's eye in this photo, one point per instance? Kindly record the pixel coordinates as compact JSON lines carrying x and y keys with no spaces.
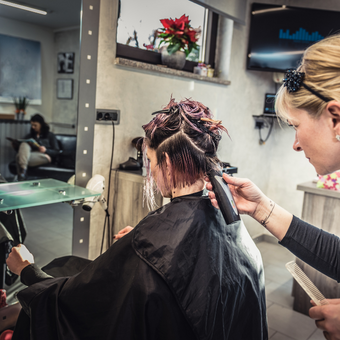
{"x":292,"y":125}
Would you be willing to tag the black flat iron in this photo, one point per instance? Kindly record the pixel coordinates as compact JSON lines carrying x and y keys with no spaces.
{"x":224,"y":197}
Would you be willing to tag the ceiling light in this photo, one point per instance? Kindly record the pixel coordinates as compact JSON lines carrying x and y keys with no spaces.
{"x":25,"y":8}
{"x":270,"y":10}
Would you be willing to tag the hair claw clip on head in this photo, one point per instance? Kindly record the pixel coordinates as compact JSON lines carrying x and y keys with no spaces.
{"x":293,"y":80}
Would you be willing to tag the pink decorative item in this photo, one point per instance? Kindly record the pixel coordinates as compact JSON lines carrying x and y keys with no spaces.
{"x":330,"y":182}
{"x":6,"y":335}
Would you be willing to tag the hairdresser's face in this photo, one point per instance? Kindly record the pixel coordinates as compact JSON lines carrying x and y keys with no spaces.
{"x":156,"y":172}
{"x":36,"y":126}
{"x":316,"y":137}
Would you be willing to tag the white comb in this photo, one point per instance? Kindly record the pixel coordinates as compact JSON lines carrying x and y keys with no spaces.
{"x":306,"y":284}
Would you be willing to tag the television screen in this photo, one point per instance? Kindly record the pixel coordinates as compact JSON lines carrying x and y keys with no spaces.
{"x":280,"y":34}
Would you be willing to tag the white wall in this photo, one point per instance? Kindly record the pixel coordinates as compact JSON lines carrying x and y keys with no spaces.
{"x":45,"y":36}
{"x":274,"y":167}
{"x":65,"y":110}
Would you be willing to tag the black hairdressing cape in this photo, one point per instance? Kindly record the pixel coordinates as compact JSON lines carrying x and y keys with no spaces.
{"x":182,"y":273}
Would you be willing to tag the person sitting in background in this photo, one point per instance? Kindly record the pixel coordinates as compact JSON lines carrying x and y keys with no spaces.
{"x":30,"y":155}
{"x":181,"y":273}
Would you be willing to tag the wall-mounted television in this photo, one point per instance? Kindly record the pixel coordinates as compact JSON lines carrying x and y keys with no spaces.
{"x":279,"y":34}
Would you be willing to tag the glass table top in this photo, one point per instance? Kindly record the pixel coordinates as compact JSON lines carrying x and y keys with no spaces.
{"x":39,"y":192}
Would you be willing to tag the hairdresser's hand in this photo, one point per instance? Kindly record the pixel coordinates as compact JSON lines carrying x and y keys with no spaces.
{"x":19,"y":258}
{"x":122,"y":233}
{"x":248,"y":197}
{"x":328,"y":318}
{"x":42,"y":149}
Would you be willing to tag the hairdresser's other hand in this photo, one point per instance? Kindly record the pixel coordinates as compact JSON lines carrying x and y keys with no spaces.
{"x":122,"y":232}
{"x":19,"y":258}
{"x":328,"y":318}
{"x":42,"y":149}
{"x":248,"y":197}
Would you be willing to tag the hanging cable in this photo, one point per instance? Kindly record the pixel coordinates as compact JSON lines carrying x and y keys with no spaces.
{"x":263,"y":141}
{"x":109,"y":229}
{"x":107,"y":215}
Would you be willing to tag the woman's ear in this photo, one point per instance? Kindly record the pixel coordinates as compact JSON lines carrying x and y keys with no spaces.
{"x":333,"y":110}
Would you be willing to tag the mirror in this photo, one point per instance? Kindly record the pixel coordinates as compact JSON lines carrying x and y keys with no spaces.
{"x":55,"y":37}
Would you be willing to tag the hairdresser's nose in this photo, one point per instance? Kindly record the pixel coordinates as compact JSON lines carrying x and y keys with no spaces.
{"x":296,"y":144}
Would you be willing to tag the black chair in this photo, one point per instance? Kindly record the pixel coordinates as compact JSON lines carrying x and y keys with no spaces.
{"x":12,"y":232}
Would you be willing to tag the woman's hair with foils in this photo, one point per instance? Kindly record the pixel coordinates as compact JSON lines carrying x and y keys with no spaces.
{"x":321,"y":65}
{"x":191,"y":150}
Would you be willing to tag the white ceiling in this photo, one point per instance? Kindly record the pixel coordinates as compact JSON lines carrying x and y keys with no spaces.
{"x":61,"y":13}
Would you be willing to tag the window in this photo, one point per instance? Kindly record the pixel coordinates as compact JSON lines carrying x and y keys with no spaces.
{"x":139,"y":20}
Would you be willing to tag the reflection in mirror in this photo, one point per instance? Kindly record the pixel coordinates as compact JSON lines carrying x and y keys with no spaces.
{"x":138,"y":27}
{"x":41,"y":63}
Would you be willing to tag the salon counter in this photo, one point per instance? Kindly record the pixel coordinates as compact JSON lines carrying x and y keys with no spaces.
{"x":321,"y":208}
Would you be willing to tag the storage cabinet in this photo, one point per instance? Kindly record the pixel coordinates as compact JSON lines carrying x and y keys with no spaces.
{"x":128,"y":207}
{"x":321,"y":208}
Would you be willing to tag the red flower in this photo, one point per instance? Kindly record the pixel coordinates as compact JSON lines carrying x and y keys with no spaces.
{"x":177,"y":24}
{"x":149,"y":47}
{"x":178,"y":34}
{"x":191,"y":33}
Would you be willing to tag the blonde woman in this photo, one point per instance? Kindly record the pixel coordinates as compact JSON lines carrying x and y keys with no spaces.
{"x":309,"y":100}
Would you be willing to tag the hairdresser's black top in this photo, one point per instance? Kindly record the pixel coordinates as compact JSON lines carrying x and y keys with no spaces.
{"x":49,"y":141}
{"x":314,"y":246}
{"x":182,"y":273}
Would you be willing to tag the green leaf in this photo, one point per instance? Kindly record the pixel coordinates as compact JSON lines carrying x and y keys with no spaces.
{"x":173,"y":48}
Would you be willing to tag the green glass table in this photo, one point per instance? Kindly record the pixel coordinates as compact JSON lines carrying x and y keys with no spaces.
{"x":40,"y":192}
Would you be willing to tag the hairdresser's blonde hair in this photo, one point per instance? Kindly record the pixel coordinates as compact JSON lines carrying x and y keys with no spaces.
{"x":321,"y":65}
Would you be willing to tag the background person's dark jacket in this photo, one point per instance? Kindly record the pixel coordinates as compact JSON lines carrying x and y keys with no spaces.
{"x":48,"y":140}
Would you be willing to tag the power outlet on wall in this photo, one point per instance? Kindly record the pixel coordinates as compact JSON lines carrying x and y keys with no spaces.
{"x":104,"y":116}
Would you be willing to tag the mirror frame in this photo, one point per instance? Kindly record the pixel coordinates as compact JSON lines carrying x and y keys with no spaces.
{"x":86,"y":118}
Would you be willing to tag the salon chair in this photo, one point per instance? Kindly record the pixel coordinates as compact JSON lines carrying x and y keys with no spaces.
{"x":12,"y":232}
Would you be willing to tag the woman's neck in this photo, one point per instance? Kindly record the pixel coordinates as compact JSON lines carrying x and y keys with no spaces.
{"x":197,"y":186}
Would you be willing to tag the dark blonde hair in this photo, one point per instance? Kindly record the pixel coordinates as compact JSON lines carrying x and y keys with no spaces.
{"x":321,"y":65}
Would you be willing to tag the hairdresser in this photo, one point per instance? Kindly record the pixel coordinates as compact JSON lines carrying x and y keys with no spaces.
{"x":309,"y":100}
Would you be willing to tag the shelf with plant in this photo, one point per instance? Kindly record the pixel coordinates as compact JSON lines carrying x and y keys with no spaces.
{"x":178,"y":37}
{"x":20,"y":104}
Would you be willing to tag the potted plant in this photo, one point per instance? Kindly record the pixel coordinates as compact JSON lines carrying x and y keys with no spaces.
{"x":178,"y":39}
{"x":20,"y":106}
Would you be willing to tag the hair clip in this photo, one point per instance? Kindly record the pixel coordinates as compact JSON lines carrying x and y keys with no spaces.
{"x":171,"y":110}
{"x":213,"y":121}
{"x":294,"y":80}
{"x":199,"y":124}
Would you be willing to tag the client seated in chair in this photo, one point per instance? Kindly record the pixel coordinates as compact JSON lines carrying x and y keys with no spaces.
{"x":181,"y":273}
{"x":39,"y":153}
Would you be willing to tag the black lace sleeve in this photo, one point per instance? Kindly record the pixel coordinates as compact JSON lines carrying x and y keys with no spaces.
{"x":316,"y":247}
